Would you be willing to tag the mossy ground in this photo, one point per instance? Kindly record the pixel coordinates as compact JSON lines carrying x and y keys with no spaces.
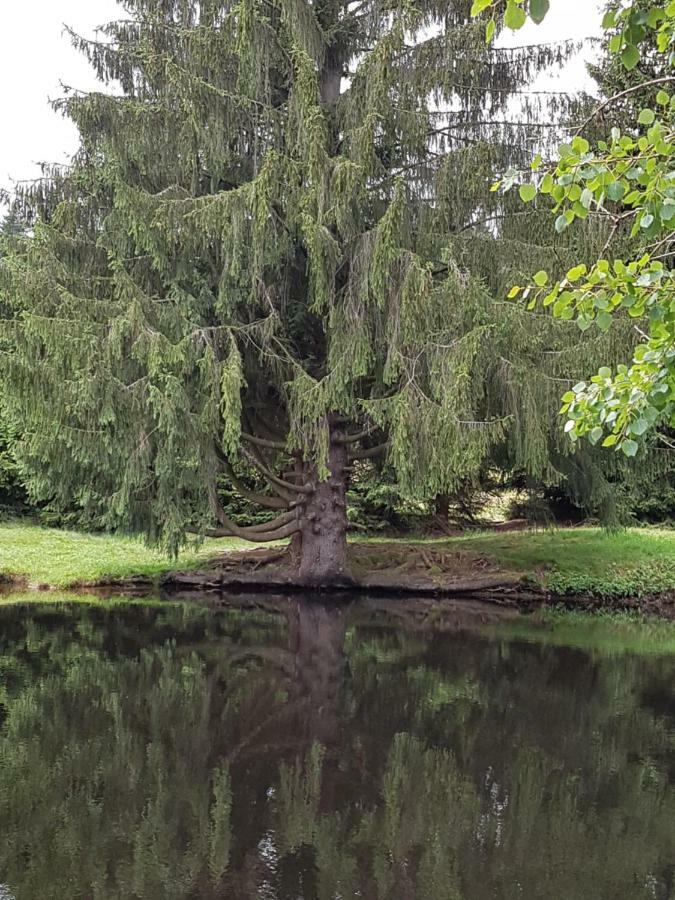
{"x":635,"y":562}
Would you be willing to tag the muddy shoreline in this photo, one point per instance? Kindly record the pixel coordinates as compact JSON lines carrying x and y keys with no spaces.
{"x":516,"y":596}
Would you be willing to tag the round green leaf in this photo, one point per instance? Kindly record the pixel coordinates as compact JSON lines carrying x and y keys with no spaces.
{"x":527,"y":192}
{"x":639,"y":426}
{"x":514,"y":17}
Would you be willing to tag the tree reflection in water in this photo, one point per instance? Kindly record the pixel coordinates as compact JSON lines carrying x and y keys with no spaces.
{"x":296,"y":749}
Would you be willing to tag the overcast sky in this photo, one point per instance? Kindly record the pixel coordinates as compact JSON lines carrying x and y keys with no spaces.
{"x":32,"y":132}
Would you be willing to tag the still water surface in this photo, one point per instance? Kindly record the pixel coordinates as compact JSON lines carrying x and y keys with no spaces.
{"x":296,"y":750}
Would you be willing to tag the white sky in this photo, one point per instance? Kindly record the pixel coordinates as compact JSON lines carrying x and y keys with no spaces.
{"x":33,"y":133}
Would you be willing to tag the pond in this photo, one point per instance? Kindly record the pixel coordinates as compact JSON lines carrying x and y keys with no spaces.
{"x":295,"y":749}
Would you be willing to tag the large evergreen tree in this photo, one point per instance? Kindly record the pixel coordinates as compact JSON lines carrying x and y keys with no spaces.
{"x":276,"y":245}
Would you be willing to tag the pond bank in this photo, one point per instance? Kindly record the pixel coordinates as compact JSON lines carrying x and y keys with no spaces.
{"x":580,"y":568}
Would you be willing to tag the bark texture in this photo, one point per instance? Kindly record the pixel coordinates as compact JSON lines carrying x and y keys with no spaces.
{"x":323,"y":526}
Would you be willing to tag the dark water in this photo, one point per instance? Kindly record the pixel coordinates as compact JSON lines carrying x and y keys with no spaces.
{"x":297,"y":750}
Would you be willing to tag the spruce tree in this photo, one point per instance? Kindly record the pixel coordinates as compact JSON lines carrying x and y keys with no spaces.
{"x":277,"y":245}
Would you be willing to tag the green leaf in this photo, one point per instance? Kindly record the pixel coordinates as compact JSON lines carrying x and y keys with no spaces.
{"x":490,"y":29}
{"x":514,"y":17}
{"x":647,"y":117}
{"x":527,"y":192}
{"x":639,"y":426}
{"x":646,"y":220}
{"x":541,"y":278}
{"x":630,"y":57}
{"x":546,"y":184}
{"x":538,"y":10}
{"x":586,"y":198}
{"x":580,"y":145}
{"x":479,"y":5}
{"x":615,"y":190}
{"x":515,"y":290}
{"x":662,"y":98}
{"x":576,"y":273}
{"x":595,"y":435}
{"x":561,"y":224}
{"x":609,"y":19}
{"x":610,"y":440}
{"x":630,"y":448}
{"x":604,"y":320}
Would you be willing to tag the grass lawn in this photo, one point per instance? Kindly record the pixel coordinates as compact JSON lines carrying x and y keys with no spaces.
{"x":61,"y":558}
{"x":629,"y":563}
{"x":633,"y":562}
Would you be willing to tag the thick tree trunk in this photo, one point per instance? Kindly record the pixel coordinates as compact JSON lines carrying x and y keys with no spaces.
{"x":323,"y":526}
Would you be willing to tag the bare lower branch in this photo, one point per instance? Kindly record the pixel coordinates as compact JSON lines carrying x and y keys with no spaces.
{"x":253,"y":537}
{"x":281,"y":527}
{"x":254,"y":497}
{"x":263,"y":442}
{"x":274,"y":524}
{"x":369,"y":453}
{"x":354,"y":438}
{"x":273,"y":479}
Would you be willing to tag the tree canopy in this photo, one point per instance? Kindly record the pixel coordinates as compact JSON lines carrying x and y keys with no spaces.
{"x":276,"y":246}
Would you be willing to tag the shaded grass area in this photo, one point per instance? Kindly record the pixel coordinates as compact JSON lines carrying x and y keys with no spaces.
{"x":61,"y":558}
{"x":632,"y":563}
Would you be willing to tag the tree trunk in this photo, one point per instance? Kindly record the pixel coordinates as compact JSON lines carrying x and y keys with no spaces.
{"x":323,"y":526}
{"x":442,"y":513}
{"x":442,"y":505}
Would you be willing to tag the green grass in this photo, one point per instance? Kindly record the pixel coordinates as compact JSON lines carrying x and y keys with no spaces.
{"x":61,"y":558}
{"x":635,"y":562}
{"x":581,"y":560}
